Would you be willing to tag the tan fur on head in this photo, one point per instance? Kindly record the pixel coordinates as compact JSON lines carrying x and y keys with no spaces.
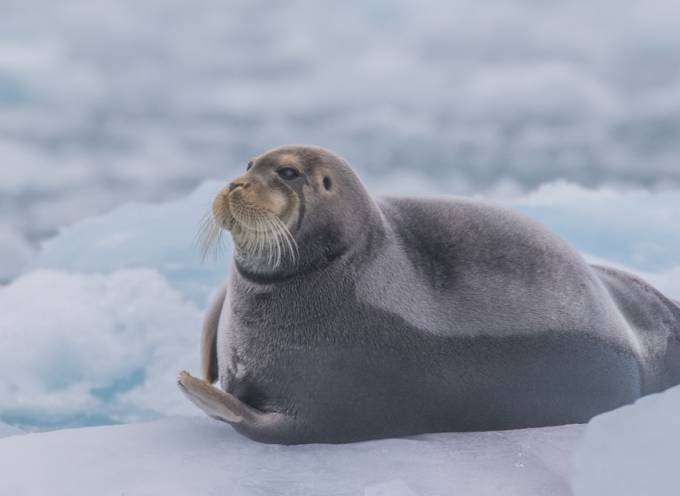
{"x":249,"y":192}
{"x":259,"y":218}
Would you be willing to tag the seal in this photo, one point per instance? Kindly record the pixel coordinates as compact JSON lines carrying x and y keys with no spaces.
{"x":347,"y":317}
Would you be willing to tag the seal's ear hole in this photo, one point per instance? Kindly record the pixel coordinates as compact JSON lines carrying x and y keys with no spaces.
{"x":327,"y":183}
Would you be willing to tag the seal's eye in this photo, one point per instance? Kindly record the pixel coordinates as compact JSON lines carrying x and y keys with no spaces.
{"x":288,"y":173}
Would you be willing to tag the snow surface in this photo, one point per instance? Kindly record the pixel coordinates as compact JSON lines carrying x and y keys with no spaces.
{"x":15,"y":253}
{"x":632,"y":451}
{"x":156,"y":236}
{"x":198,"y":456}
{"x":80,"y":349}
{"x":8,"y":430}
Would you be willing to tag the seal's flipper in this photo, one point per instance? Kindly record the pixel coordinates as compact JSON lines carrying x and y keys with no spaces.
{"x":209,"y":337}
{"x":214,"y":402}
{"x":266,"y":427}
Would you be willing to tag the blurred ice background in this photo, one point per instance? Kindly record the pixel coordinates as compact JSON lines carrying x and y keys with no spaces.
{"x":567,"y":111}
{"x":116,"y":100}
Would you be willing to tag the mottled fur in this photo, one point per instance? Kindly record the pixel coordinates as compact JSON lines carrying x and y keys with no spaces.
{"x":412,"y":315}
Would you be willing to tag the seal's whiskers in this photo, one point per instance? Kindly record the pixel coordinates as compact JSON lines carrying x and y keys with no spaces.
{"x":209,"y":236}
{"x":263,"y":235}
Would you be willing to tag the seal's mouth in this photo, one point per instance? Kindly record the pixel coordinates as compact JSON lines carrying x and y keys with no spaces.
{"x":227,"y":224}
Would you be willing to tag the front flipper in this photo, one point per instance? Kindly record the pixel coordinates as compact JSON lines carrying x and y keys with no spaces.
{"x":261,"y":426}
{"x":214,"y":402}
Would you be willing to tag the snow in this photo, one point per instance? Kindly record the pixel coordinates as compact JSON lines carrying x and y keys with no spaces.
{"x":632,"y":451}
{"x":199,"y":456}
{"x":8,"y":430}
{"x":634,"y":227}
{"x":156,"y":236}
{"x":15,"y":253}
{"x":80,"y":349}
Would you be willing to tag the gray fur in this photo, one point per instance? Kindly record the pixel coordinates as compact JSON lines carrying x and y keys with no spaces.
{"x":414,"y":315}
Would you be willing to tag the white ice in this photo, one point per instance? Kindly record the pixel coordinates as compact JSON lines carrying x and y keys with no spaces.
{"x":157,"y":236}
{"x":632,"y":451}
{"x":15,"y":253}
{"x":198,"y":456}
{"x":8,"y":430}
{"x":80,"y":349}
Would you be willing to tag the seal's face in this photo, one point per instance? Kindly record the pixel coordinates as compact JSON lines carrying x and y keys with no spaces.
{"x":282,"y":195}
{"x":268,"y":188}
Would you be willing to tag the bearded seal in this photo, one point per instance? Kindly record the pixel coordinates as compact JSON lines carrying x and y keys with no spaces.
{"x":347,"y":317}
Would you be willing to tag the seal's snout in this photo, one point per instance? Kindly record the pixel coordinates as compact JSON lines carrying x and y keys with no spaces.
{"x":238,"y":184}
{"x":252,"y":195}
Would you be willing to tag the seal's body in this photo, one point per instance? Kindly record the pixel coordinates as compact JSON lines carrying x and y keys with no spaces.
{"x":441,"y":314}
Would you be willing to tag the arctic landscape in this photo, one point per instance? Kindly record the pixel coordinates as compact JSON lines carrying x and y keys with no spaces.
{"x":139,"y":266}
{"x":121,"y":119}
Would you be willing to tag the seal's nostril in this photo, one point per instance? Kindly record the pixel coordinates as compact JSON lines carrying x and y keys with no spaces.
{"x":237,"y":184}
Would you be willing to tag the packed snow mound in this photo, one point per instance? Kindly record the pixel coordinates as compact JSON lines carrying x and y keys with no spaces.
{"x":8,"y":430}
{"x":80,"y":349}
{"x":15,"y":253}
{"x":632,"y":451}
{"x":198,"y":456}
{"x":635,"y":228}
{"x":158,"y":236}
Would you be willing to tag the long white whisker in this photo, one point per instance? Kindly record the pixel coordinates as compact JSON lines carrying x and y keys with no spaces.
{"x":281,"y":240}
{"x":288,"y":238}
{"x":208,"y":236}
{"x":276,"y":241}
{"x":262,"y":234}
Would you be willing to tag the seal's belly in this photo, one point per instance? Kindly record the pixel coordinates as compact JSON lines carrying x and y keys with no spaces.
{"x":379,"y":386}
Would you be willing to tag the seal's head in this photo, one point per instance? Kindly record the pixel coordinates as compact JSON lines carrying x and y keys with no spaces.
{"x":295,"y":209}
